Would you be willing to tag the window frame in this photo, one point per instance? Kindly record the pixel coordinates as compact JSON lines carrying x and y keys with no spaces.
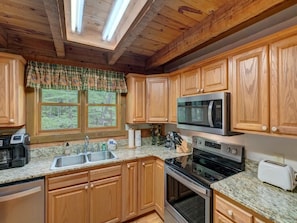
{"x":33,"y":121}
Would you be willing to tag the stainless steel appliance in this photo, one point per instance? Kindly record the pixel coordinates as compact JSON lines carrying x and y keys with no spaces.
{"x":22,"y":202}
{"x":188,"y":196}
{"x":205,"y":113}
{"x":14,"y":150}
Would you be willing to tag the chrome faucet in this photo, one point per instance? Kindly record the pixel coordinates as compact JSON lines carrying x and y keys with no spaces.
{"x":86,"y":144}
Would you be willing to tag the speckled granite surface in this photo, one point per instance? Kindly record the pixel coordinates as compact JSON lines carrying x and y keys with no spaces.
{"x":275,"y":204}
{"x":271,"y":202}
{"x":42,"y":159}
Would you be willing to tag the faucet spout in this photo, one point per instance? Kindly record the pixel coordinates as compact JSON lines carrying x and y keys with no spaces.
{"x":86,"y":145}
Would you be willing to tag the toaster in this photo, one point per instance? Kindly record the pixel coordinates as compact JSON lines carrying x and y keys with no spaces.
{"x":277,"y":174}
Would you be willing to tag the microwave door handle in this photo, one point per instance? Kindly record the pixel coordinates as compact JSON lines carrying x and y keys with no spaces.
{"x":210,"y":106}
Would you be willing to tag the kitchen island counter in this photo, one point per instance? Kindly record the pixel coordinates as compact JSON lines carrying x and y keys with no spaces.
{"x":275,"y":204}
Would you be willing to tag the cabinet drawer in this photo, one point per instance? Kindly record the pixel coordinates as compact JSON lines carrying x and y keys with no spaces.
{"x":219,"y":218}
{"x":105,"y":172}
{"x":231,"y":211}
{"x":67,"y":180}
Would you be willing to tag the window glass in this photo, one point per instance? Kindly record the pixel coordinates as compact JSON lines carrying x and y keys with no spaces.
{"x":59,"y":96}
{"x":59,"y":117}
{"x":101,"y":97}
{"x":102,"y":116}
{"x":59,"y":109}
{"x":102,"y":109}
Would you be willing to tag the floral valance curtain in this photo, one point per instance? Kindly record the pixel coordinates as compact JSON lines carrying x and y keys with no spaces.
{"x":57,"y":76}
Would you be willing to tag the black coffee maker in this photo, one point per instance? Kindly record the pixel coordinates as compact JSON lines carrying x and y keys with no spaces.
{"x":14,"y":150}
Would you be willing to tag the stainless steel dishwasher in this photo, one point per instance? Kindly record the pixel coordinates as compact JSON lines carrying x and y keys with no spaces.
{"x":22,"y":202}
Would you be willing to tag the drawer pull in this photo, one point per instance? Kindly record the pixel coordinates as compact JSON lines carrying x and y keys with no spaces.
{"x":230,"y":213}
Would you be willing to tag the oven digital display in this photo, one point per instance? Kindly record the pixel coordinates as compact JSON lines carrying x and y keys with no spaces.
{"x":212,"y":145}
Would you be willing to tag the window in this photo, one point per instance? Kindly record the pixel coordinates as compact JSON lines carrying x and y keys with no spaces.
{"x":64,"y":115}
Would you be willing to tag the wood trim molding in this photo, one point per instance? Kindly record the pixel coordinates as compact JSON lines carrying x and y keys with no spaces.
{"x":53,"y":14}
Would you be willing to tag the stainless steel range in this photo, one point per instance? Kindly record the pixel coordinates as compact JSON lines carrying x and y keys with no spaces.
{"x":188,"y":196}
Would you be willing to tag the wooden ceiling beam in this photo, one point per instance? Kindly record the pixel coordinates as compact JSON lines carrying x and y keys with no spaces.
{"x":232,"y":14}
{"x":52,"y":10}
{"x":3,"y":38}
{"x":146,"y":15}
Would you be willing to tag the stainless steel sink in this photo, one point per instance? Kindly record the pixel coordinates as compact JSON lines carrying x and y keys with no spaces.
{"x":64,"y":161}
{"x":100,"y":155}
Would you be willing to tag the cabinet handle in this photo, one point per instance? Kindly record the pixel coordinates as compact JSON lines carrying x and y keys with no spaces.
{"x":128,"y":165}
{"x":264,"y":127}
{"x":86,"y":187}
{"x":230,"y":213}
{"x":143,"y":164}
{"x":274,"y":129}
{"x":92,"y":185}
{"x":202,"y":90}
{"x":11,"y":120}
{"x":198,"y":90}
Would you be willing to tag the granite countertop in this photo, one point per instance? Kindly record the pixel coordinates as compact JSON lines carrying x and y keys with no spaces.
{"x":275,"y":204}
{"x":40,"y":163}
{"x":271,"y":202}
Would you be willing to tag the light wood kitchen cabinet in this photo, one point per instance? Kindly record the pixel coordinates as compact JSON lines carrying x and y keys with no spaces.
{"x":283,"y":89}
{"x":190,"y":82}
{"x":130,"y":190}
{"x":12,"y":91}
{"x":173,"y":95}
{"x":68,"y":198}
{"x":159,"y":187}
{"x":146,"y":185}
{"x":228,"y":211}
{"x":249,"y":87}
{"x":214,"y":76}
{"x":136,"y":99}
{"x":263,"y":98}
{"x":87,"y":196}
{"x":106,"y":194}
{"x":157,"y":99}
{"x":208,"y":77}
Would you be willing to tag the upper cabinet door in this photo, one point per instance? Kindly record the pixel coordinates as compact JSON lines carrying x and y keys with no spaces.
{"x":12,"y":90}
{"x":136,"y":97}
{"x":6,"y":91}
{"x":174,"y":93}
{"x":190,"y":82}
{"x":214,"y":76}
{"x":284,"y":86}
{"x":250,"y":96}
{"x":157,"y":99}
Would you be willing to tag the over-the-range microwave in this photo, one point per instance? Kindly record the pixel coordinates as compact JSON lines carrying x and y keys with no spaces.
{"x":205,"y":113}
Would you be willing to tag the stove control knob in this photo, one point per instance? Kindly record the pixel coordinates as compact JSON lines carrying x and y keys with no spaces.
{"x":229,"y":150}
{"x":234,"y":151}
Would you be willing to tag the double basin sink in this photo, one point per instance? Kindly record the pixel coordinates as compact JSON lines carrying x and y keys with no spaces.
{"x":82,"y":158}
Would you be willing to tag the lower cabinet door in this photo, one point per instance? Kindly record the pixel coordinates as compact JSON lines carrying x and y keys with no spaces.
{"x":129,"y":190}
{"x":219,"y":218}
{"x":68,"y":205}
{"x":105,"y":200}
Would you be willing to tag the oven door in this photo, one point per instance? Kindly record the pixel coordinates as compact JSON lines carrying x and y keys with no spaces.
{"x":185,"y":199}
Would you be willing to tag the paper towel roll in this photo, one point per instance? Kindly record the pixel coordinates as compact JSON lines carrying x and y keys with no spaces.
{"x":137,"y":138}
{"x":131,"y":137}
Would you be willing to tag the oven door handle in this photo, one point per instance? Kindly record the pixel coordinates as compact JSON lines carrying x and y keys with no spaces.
{"x":209,"y":113}
{"x":199,"y":189}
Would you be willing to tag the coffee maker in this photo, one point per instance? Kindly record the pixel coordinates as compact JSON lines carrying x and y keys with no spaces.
{"x":14,"y":150}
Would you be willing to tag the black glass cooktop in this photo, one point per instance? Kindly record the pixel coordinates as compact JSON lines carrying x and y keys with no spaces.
{"x":204,"y":168}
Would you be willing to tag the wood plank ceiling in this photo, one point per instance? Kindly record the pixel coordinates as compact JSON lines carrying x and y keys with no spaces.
{"x":163,"y":31}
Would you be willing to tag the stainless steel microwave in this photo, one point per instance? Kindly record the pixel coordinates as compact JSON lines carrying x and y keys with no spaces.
{"x":205,"y":113}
